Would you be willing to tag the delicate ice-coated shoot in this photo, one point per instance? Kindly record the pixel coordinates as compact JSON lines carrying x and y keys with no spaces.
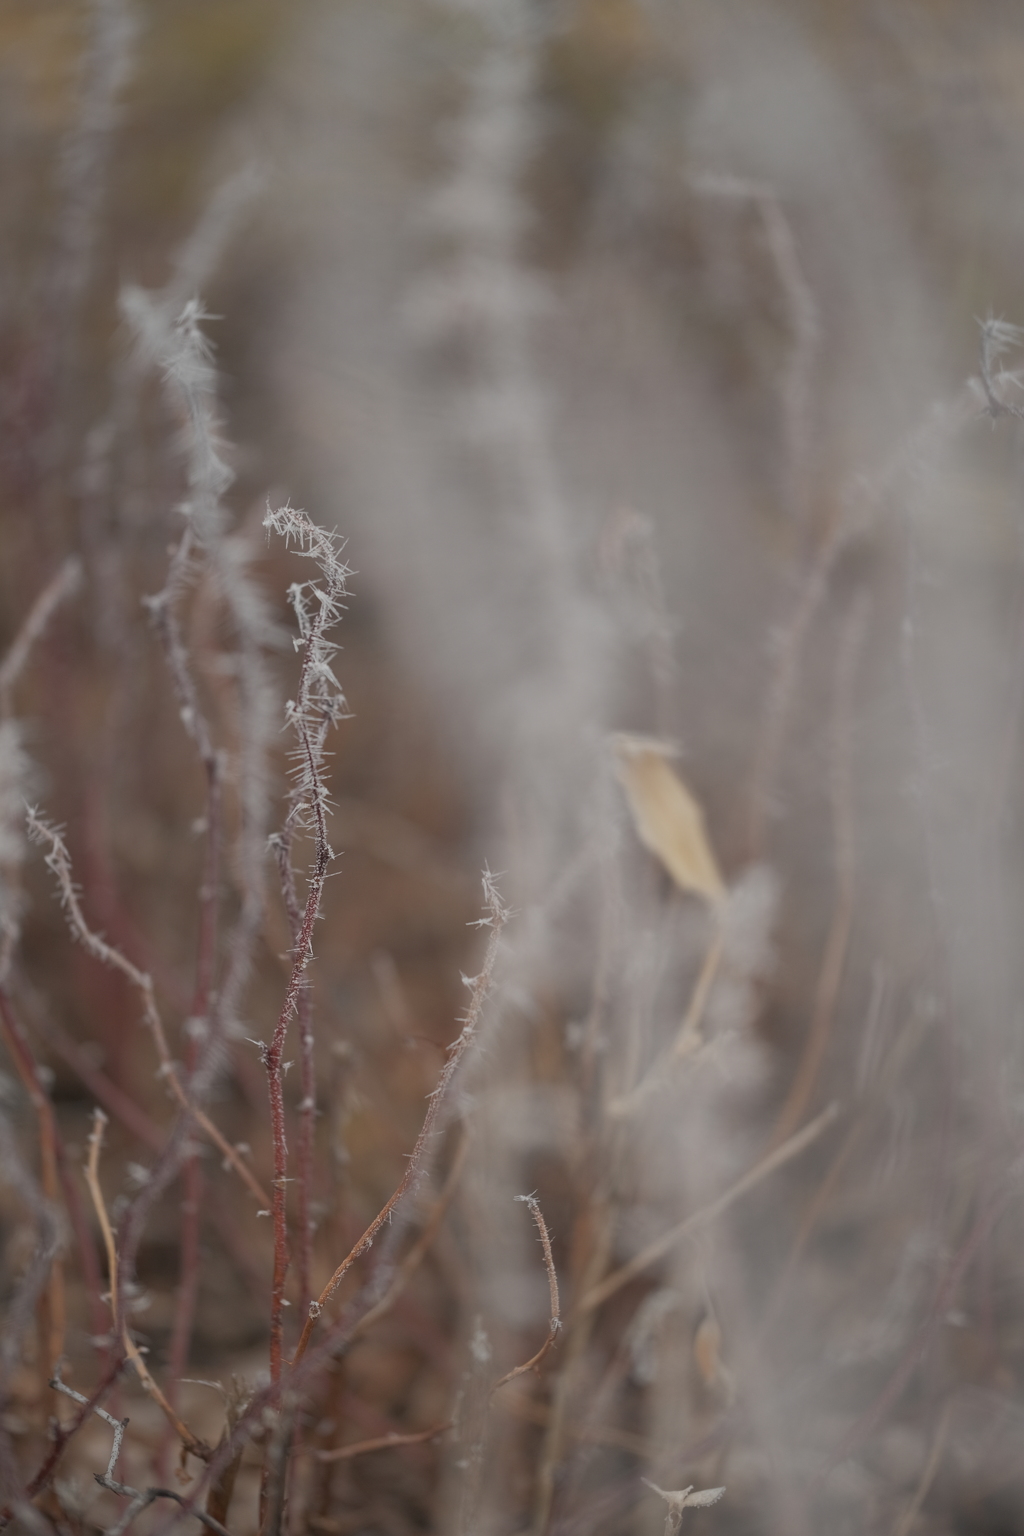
{"x":681,"y":1499}
{"x":318,"y":705}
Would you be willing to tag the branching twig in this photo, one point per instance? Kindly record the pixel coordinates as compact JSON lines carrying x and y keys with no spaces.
{"x":140,"y":1498}
{"x":496,"y":919}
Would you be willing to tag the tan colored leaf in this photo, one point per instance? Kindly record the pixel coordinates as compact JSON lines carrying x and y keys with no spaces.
{"x":707,"y":1345}
{"x":667,"y":818}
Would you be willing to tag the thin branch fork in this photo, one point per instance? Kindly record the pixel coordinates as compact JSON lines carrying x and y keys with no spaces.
{"x":498,"y":916}
{"x":140,"y":1498}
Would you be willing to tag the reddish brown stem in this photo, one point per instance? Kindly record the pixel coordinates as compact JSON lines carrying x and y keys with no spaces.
{"x":52,"y":1321}
{"x":66,"y":1433}
{"x":307,"y":1067}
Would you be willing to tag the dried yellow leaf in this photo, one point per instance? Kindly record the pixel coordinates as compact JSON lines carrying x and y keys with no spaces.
{"x":707,"y":1345}
{"x":667,"y":818}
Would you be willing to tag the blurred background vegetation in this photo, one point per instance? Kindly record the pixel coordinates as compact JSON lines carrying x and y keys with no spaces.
{"x":888,"y":138}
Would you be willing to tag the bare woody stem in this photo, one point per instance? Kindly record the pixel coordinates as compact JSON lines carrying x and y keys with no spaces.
{"x":555,"y":1324}
{"x":25,"y":1064}
{"x":307,"y":1108}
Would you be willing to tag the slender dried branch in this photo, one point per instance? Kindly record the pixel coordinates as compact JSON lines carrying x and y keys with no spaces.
{"x":383,"y":1443}
{"x":191,"y":1442}
{"x":414,"y":1258}
{"x":687,"y":1041}
{"x":997,"y":337}
{"x":62,"y":586}
{"x":905,"y":1524}
{"x":21,"y":1054}
{"x":64,"y":1433}
{"x":58,"y":861}
{"x":20,"y":1307}
{"x":834,"y":958}
{"x":496,"y":919}
{"x":555,"y":1324}
{"x":319,"y":703}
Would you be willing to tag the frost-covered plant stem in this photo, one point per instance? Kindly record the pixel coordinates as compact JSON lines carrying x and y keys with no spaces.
{"x":318,"y":704}
{"x":172,"y":339}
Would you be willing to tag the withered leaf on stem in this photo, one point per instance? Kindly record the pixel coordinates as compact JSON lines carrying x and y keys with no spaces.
{"x":667,"y":818}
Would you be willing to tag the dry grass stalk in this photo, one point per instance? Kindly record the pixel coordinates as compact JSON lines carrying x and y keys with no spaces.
{"x":834,"y":957}
{"x":118,"y":1297}
{"x":662,"y":1245}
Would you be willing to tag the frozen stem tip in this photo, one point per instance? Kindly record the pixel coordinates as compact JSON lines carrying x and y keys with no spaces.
{"x":681,"y":1499}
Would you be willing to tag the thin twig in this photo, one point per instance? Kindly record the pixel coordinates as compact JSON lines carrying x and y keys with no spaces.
{"x":192,"y":1442}
{"x":419,"y":1249}
{"x":318,"y":705}
{"x":61,"y":587}
{"x":21,"y":1054}
{"x":555,"y":1324}
{"x":905,"y":1523}
{"x":65,"y":1433}
{"x":496,"y":919}
{"x":687,"y":1041}
{"x":383,"y":1443}
{"x":834,"y":958}
{"x":58,"y":861}
{"x":21,"y":1305}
